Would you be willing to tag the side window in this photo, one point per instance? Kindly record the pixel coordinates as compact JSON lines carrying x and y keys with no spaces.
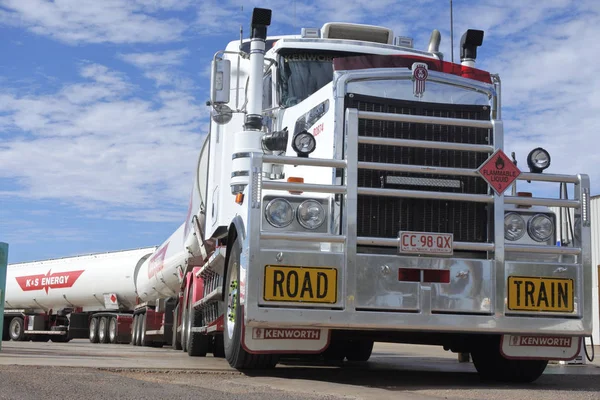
{"x":267,"y":92}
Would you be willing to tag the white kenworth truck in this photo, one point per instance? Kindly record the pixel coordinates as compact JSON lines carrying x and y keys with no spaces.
{"x":353,"y":189}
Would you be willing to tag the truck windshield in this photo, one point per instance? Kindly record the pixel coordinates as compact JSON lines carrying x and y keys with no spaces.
{"x":303,"y":72}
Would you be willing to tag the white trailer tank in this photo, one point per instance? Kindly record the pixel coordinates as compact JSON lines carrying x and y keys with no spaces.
{"x":79,"y":281}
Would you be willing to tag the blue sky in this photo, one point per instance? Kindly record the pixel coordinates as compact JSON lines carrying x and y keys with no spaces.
{"x":102,"y":102}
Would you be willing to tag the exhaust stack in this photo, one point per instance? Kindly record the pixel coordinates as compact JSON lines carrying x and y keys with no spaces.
{"x":469,"y":42}
{"x":261,"y":18}
{"x":434,"y":43}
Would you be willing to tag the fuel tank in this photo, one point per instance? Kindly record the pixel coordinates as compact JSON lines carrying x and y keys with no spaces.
{"x":79,"y":281}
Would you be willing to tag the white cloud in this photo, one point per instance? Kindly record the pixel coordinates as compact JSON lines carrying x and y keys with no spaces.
{"x":125,"y":157}
{"x":161,"y":67}
{"x":92,"y":21}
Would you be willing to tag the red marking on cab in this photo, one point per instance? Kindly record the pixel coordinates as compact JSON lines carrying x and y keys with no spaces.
{"x":56,"y":280}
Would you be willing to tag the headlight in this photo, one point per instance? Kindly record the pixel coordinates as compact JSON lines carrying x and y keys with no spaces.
{"x":538,"y":160}
{"x":514,"y":226}
{"x":311,"y":214}
{"x":279,"y":213}
{"x":541,"y":228}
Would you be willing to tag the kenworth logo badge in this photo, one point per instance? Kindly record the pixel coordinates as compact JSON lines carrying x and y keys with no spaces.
{"x":56,"y":280}
{"x":419,"y":76}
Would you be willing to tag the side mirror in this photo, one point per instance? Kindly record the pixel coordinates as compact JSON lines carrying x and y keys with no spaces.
{"x":220,"y":81}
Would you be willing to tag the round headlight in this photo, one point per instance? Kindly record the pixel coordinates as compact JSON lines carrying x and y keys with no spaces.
{"x":541,"y":228}
{"x":311,"y":214}
{"x":514,"y":226}
{"x":279,"y":213}
{"x":304,"y":143}
{"x":538,"y":160}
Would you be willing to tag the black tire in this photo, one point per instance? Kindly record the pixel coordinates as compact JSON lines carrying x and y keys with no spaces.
{"x":235,"y":354}
{"x":94,"y":330}
{"x":336,"y":351}
{"x":176,"y":340}
{"x":218,"y":347}
{"x":17,"y":329}
{"x":113,"y":330}
{"x":184,"y":325}
{"x":492,"y":366}
{"x":60,"y":339}
{"x":103,"y":330}
{"x":197,"y":343}
{"x":359,"y":350}
{"x":39,"y":338}
{"x":143,"y":339}
{"x":134,"y":330}
{"x":5,"y":331}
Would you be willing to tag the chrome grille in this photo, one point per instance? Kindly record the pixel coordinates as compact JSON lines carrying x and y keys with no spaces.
{"x":384,"y":216}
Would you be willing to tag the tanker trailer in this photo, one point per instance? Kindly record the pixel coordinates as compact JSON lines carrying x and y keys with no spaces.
{"x":73,"y":297}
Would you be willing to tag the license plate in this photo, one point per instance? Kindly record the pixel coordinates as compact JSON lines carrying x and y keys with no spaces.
{"x":426,"y":243}
{"x":300,"y":284}
{"x":540,"y":294}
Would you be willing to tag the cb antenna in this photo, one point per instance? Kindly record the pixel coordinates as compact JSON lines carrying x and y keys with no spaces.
{"x":451,"y":34}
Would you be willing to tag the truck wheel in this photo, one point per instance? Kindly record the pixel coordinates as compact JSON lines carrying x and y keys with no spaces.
{"x":176,"y":336}
{"x":94,"y":330}
{"x":184,"y":327}
{"x":5,"y":331}
{"x":492,"y":366}
{"x":142,"y":334}
{"x":359,"y":350}
{"x":197,"y":343}
{"x":17,"y":329}
{"x":113,"y":330}
{"x":336,"y":351}
{"x":232,"y":335}
{"x":103,"y":330}
{"x":60,"y":339}
{"x":134,"y":330}
{"x":218,"y":349}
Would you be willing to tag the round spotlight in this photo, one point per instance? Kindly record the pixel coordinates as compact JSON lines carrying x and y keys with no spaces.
{"x":279,"y":213}
{"x":514,"y":226}
{"x":538,"y":160}
{"x":304,"y":143}
{"x":311,"y":214}
{"x":541,"y":228}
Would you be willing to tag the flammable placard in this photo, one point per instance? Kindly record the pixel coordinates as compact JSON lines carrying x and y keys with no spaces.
{"x":499,"y":171}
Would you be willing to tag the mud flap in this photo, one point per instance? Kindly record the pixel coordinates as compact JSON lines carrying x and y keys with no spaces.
{"x":285,"y":340}
{"x":538,"y":347}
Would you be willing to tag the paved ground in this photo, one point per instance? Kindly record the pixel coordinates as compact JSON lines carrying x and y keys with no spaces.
{"x":79,"y":369}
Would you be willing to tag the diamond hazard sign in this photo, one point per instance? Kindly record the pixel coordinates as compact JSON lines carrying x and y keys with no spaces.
{"x":499,"y":171}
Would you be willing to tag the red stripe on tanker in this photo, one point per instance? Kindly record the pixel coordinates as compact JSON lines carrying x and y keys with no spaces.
{"x":55,"y":280}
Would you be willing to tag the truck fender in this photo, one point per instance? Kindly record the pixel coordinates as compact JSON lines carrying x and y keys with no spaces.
{"x":236,"y":230}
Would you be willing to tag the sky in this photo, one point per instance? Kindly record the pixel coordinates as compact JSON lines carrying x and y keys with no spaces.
{"x":102,"y":103}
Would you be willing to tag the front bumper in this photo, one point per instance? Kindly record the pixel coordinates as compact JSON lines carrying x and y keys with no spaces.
{"x":370,"y":296}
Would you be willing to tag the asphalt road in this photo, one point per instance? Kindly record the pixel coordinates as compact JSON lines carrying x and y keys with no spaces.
{"x":79,"y":370}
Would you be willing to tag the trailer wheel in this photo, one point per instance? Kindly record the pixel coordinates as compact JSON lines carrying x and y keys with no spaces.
{"x":17,"y":329}
{"x":113,"y":330}
{"x":142,"y":328}
{"x":94,"y":330}
{"x":359,"y":350}
{"x":5,"y":331}
{"x":197,"y":343}
{"x":176,"y":336}
{"x":218,"y":349}
{"x":232,"y":335}
{"x":134,"y":330}
{"x":492,"y":366}
{"x":103,"y":330}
